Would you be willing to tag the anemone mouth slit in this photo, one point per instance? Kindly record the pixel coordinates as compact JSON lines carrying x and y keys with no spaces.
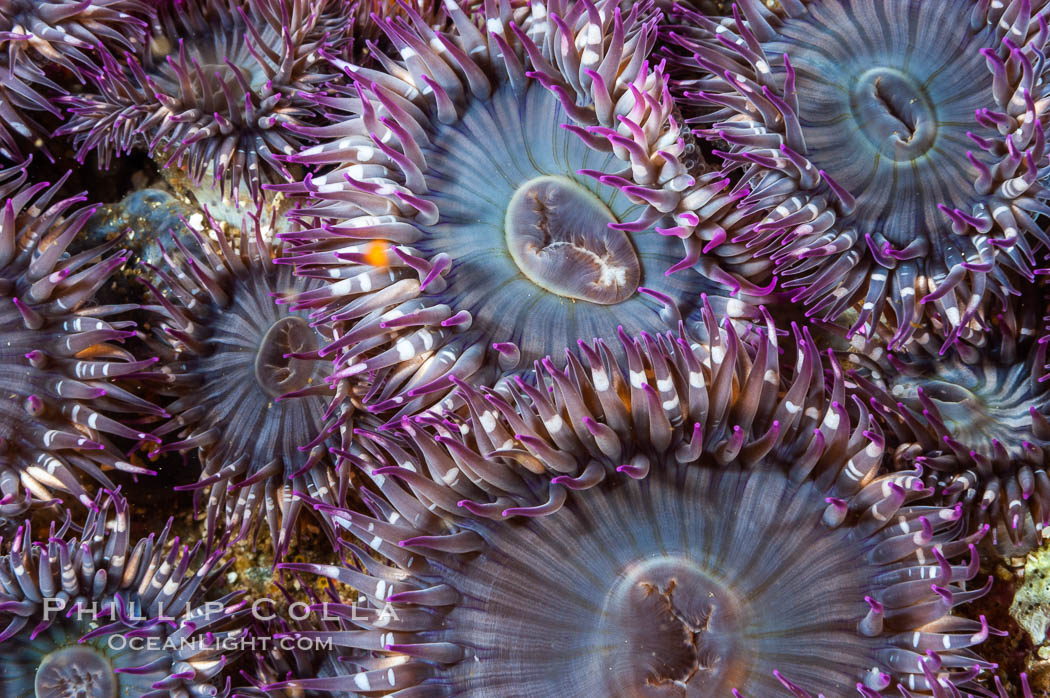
{"x":558,"y":235}
{"x":75,"y":672}
{"x":894,"y":113}
{"x":277,"y":372}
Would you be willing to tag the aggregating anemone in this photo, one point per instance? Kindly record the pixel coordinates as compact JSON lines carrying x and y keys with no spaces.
{"x":694,"y":520}
{"x":509,"y":348}
{"x":250,"y":390}
{"x":903,"y":181}
{"x":60,"y":356}
{"x":39,"y":38}
{"x":217,"y":90}
{"x":973,"y":416}
{"x":498,"y":191}
{"x":87,"y":614}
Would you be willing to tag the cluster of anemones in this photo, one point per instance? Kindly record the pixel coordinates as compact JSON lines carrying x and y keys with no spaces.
{"x":60,"y":356}
{"x":249,"y":395}
{"x":511,"y":303}
{"x":695,"y":517}
{"x":493,"y":197}
{"x":82,"y":613}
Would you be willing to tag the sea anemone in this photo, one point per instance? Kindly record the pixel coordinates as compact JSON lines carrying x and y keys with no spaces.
{"x":498,"y":193}
{"x":217,"y":90}
{"x":696,"y":519}
{"x":87,"y":615}
{"x":250,"y":391}
{"x":37,"y":36}
{"x":975,"y":415}
{"x":883,"y":175}
{"x":59,"y":358}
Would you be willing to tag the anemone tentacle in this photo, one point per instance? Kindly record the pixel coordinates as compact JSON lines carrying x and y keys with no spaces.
{"x":300,"y":647}
{"x":973,"y":414}
{"x":1026,"y":689}
{"x":695,"y":519}
{"x":60,"y":358}
{"x":498,"y":191}
{"x":250,"y":393}
{"x":68,"y":33}
{"x":217,"y":90}
{"x":930,"y":669}
{"x":366,"y":38}
{"x":70,"y":606}
{"x":901,"y":181}
{"x":39,"y":36}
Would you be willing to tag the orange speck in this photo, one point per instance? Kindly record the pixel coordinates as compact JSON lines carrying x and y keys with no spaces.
{"x":375,"y":253}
